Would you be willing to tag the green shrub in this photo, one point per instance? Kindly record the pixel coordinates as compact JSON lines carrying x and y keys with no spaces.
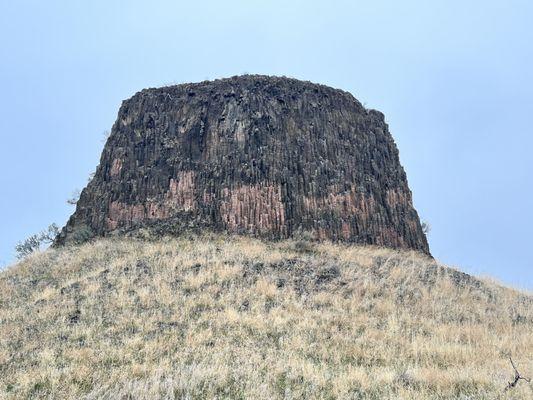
{"x":34,"y":242}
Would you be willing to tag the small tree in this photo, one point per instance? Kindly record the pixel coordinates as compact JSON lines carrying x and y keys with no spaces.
{"x":34,"y":242}
{"x":27,"y":246}
{"x":50,"y":234}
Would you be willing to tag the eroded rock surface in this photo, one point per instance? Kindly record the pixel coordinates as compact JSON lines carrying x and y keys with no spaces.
{"x":258,"y":155}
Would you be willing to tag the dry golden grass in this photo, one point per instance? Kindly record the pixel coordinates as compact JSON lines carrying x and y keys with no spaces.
{"x":218,"y":317}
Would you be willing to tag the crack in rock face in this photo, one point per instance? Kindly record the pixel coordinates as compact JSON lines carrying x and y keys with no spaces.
{"x":257,"y":155}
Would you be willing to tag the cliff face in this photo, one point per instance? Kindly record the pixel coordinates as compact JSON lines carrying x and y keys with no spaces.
{"x":256,"y":155}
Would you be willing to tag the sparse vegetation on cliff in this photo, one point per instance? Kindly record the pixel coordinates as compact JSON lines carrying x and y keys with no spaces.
{"x":215,"y":317}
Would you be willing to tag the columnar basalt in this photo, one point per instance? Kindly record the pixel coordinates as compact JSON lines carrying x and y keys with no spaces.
{"x":256,"y":155}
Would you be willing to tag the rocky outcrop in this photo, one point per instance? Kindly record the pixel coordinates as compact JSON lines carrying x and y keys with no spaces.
{"x":256,"y":155}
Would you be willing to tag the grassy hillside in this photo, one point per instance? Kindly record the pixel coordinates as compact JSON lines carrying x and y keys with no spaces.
{"x":214,"y":317}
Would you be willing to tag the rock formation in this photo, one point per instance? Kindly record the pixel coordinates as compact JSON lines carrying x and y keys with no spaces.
{"x":257,"y":155}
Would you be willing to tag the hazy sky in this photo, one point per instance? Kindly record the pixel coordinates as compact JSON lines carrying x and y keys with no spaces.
{"x":454,"y":79}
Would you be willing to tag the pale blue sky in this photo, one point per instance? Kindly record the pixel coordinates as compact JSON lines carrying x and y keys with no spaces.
{"x":454,"y":79}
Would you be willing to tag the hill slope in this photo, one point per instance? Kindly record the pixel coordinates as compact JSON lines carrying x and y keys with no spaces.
{"x":207,"y":317}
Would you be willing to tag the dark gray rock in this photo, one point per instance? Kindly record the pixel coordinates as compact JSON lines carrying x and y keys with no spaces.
{"x":257,"y":155}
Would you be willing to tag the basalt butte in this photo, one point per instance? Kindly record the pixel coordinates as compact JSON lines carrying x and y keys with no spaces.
{"x":271,"y":157}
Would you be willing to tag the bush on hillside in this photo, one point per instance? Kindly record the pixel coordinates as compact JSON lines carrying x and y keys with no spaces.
{"x":34,"y":242}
